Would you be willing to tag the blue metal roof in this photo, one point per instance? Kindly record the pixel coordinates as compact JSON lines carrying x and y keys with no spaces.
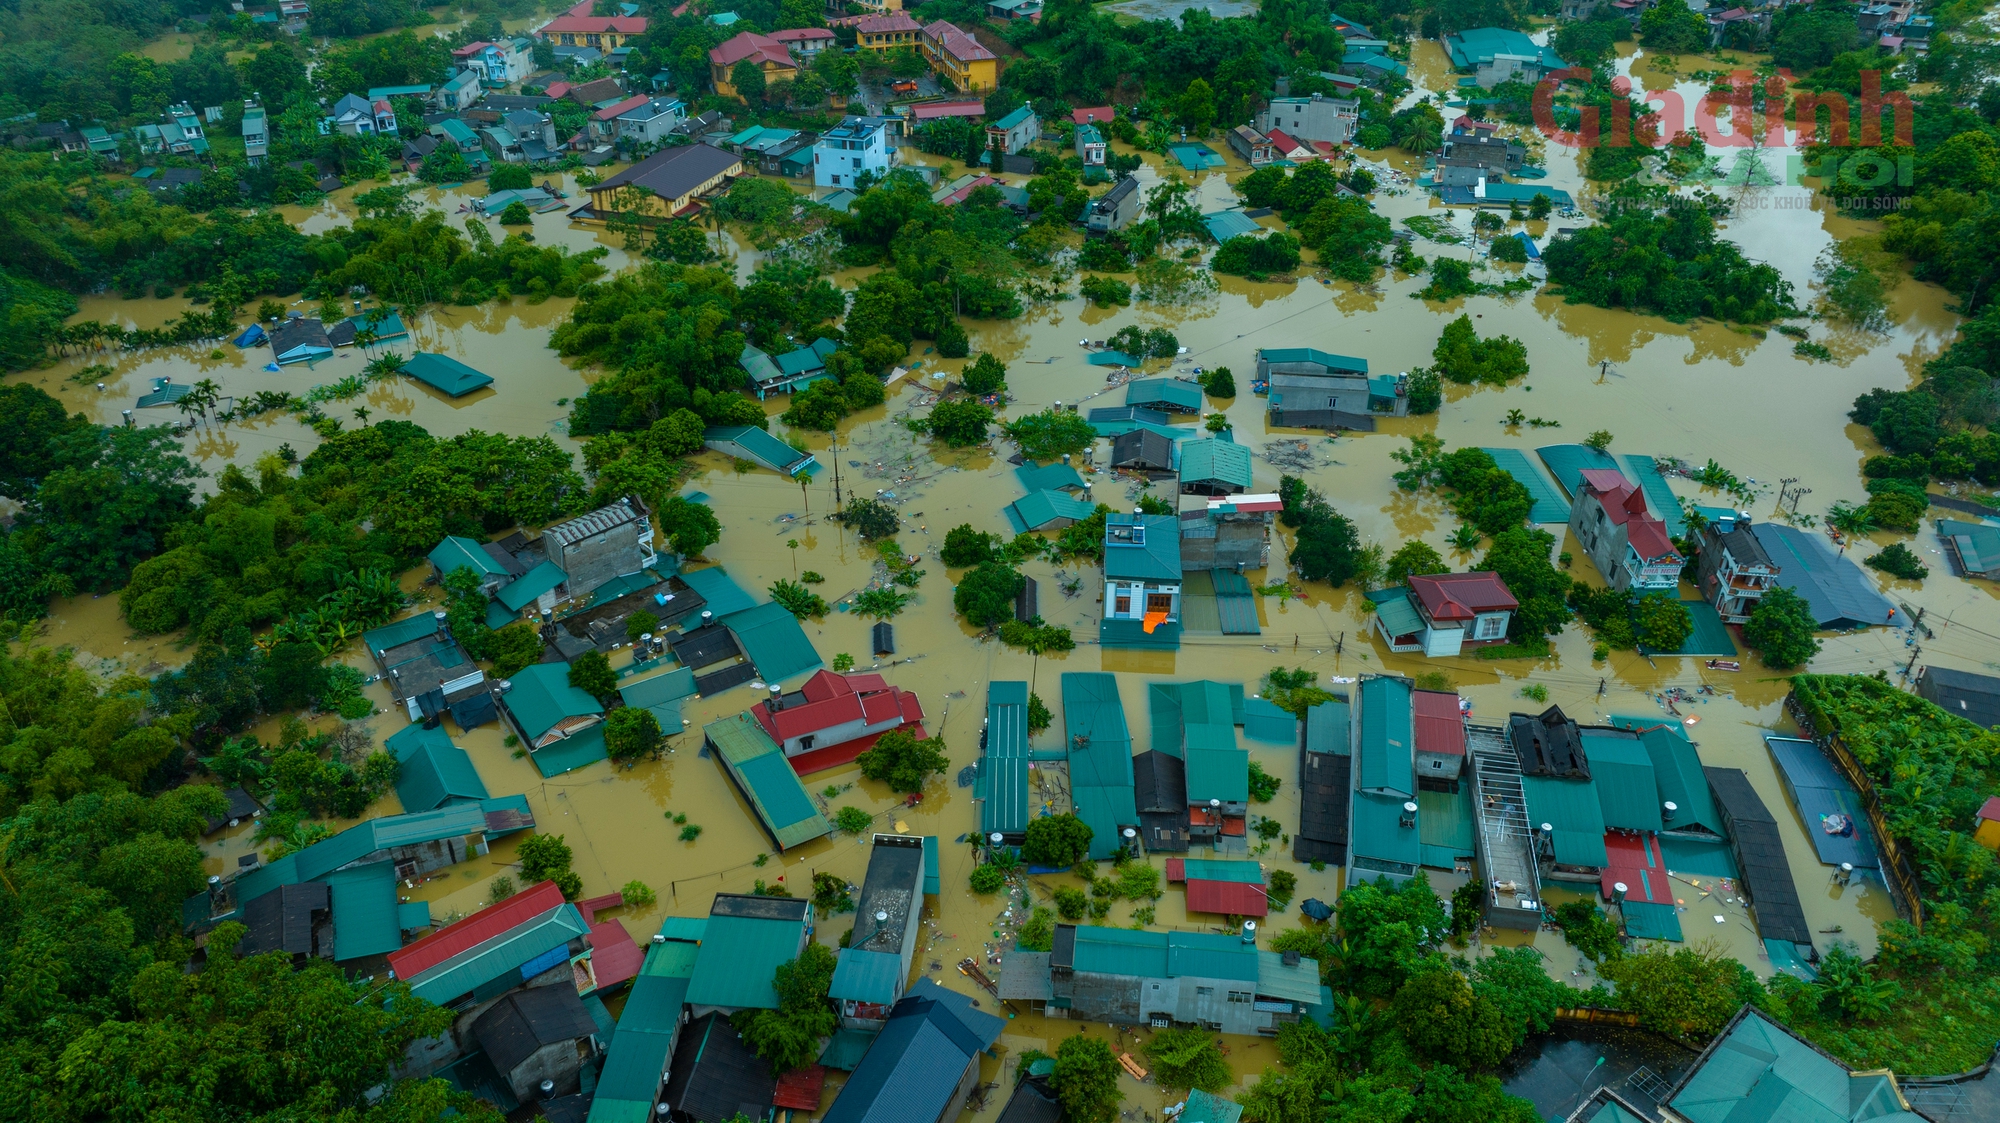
{"x":1224,"y":225}
{"x":913,"y":1071}
{"x":1550,"y":506}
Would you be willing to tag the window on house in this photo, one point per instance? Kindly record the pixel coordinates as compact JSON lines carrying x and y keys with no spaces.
{"x":1159,"y":602}
{"x":1204,"y":992}
{"x":1122,"y":604}
{"x":1491,"y":627}
{"x":1437,"y":766}
{"x":1239,"y":996}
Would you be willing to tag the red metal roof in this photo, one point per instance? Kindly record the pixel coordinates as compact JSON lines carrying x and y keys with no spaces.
{"x":1230,"y":898}
{"x":1462,"y":596}
{"x":614,"y":957}
{"x":470,"y":49}
{"x":557,"y":89}
{"x":1635,"y":860}
{"x":1176,"y":870}
{"x":957,"y":43}
{"x":491,"y":921}
{"x":1648,"y":535}
{"x":833,"y":756}
{"x":591,"y":906}
{"x":1440,"y":729}
{"x":1284,"y":143}
{"x":882,"y":25}
{"x":1093,"y":114}
{"x":800,"y":1088}
{"x":628,"y":105}
{"x":1990,"y":809}
{"x":797,"y":34}
{"x":752,"y":46}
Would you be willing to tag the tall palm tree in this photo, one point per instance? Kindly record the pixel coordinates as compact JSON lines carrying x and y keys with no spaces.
{"x":1850,"y":521}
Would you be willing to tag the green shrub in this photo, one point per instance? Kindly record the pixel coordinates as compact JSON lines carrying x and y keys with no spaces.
{"x":987,"y":879}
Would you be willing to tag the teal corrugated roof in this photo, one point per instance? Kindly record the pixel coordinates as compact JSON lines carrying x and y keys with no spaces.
{"x":724,"y":596}
{"x":1677,"y":771}
{"x":1622,"y":772}
{"x":739,"y":957}
{"x":445,"y":374}
{"x":501,"y":956}
{"x":1039,"y":509}
{"x":1550,"y":506}
{"x":1047,"y":477}
{"x":1100,"y":757}
{"x":1169,"y":390}
{"x":647,"y":1028}
{"x":1758,"y":1070}
{"x":1386,"y":764}
{"x":1224,"y":225}
{"x":1314,"y":355}
{"x":407,"y":630}
{"x":1205,"y":1108}
{"x":1211,"y":956}
{"x":760,"y":446}
{"x":434,"y":771}
{"x":931,"y":865}
{"x":1156,"y":558}
{"x":1298,"y":982}
{"x":775,"y":792}
{"x":622,"y":584}
{"x":1190,"y":713}
{"x":365,"y":918}
{"x":1222,"y":774}
{"x":866,"y":976}
{"x":1213,"y":458}
{"x":1567,"y":463}
{"x":1327,"y":728}
{"x":773,"y":641}
{"x":1571,"y":807}
{"x":1264,"y":721}
{"x":525,"y":589}
{"x":1005,"y":767}
{"x":541,"y":696}
{"x":1377,"y":832}
{"x":1444,"y":826}
{"x":1222,"y":869}
{"x":359,"y":841}
{"x":456,"y":553}
{"x":662,"y":694}
{"x":1013,"y":119}
{"x":412,"y":915}
{"x":1978,"y":543}
{"x":1120,"y":951}
{"x":1398,"y":615}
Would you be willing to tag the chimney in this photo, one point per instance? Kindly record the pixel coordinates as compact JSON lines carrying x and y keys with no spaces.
{"x":1409,"y":817}
{"x":1249,"y":931}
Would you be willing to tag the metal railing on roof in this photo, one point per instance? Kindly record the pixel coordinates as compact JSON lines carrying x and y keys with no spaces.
{"x":1502,"y":807}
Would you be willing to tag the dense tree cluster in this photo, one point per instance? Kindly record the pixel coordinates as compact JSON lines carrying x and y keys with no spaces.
{"x":1669,"y":262}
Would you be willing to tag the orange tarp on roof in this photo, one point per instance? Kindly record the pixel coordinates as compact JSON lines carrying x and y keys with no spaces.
{"x":1154,"y":620}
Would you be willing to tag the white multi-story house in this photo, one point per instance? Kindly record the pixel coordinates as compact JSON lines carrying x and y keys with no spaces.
{"x":844,"y":152}
{"x":1312,"y":118}
{"x":1629,"y":546}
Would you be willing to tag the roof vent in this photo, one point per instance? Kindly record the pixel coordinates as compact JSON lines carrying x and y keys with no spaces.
{"x":1668,"y":810}
{"x":1291,"y":959}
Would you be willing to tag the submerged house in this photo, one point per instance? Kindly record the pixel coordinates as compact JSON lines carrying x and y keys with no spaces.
{"x":758,"y":446}
{"x":783,"y":374}
{"x":1142,"y":575}
{"x":1383,"y":840}
{"x":1222,"y":983}
{"x":534,"y":938}
{"x":789,"y":814}
{"x":300,"y":340}
{"x":746,"y":939}
{"x":1231,"y":532}
{"x":1001,"y":787}
{"x":1314,"y":389}
{"x":924,"y":1063}
{"x":1214,"y":466}
{"x":1629,"y":546}
{"x":537,"y":1035}
{"x":427,"y":672}
{"x":1441,"y":614}
{"x":1733,"y":570}
{"x":544,"y":709}
{"x":874,"y":969}
{"x":834,"y":711}
{"x":1195,"y":721}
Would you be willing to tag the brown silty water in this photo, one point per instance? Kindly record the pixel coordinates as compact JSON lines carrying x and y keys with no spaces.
{"x":1693,"y":391}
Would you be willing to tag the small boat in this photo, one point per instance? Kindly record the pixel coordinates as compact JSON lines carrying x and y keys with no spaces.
{"x":1724,"y":665}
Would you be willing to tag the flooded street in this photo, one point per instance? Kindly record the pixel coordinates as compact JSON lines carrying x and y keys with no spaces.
{"x":1696,"y":391}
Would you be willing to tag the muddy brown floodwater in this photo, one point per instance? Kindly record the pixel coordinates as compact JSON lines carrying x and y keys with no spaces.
{"x":1695,"y":391}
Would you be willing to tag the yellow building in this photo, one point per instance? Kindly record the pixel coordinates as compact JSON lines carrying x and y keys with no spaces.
{"x":1987,"y":833}
{"x":606,"y":33}
{"x":887,"y":32}
{"x":958,"y":58}
{"x":667,"y":183}
{"x":771,"y":56}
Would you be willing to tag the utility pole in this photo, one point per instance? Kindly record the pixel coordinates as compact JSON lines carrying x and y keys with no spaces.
{"x":834,"y":452}
{"x":1784,"y":486}
{"x":1911,"y":665}
{"x":1798,"y":493}
{"x":1340,"y":647}
{"x":1600,"y":688}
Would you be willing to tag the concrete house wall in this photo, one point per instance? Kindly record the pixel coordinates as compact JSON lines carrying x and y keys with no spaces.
{"x":590,"y":560}
{"x":1312,"y":118}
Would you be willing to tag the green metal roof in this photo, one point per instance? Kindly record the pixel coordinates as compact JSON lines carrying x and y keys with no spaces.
{"x":1622,"y":770}
{"x":1567,"y":463}
{"x":1211,"y":955}
{"x":759,"y":445}
{"x":1571,"y":807}
{"x":722,"y":596}
{"x":1222,"y":869}
{"x":1120,"y":951}
{"x":662,"y":694}
{"x":1203,"y":1107}
{"x":758,"y":766}
{"x":1387,"y":762}
{"x":624,"y":583}
{"x":679,"y":929}
{"x":357,"y":842}
{"x":773,"y":641}
{"x":1013,"y":119}
{"x":1155,"y":557}
{"x":1659,"y":496}
{"x":1377,"y":831}
{"x":1222,"y":774}
{"x":1298,"y":982}
{"x":1314,"y":355}
{"x":1978,"y":544}
{"x":1039,"y":509}
{"x":407,"y":630}
{"x":1048,"y":477}
{"x":1327,"y":728}
{"x":647,"y":1028}
{"x":541,"y":696}
{"x":365,"y":917}
{"x":1549,"y":504}
{"x":500,"y":956}
{"x":434,"y":771}
{"x":1215,"y":458}
{"x":463,"y":553}
{"x":861,"y":975}
{"x":1264,"y":721}
{"x":446,"y":374}
{"x":411,"y":915}
{"x":1444,"y":826}
{"x":1190,"y":713}
{"x":1169,"y":390}
{"x":1677,"y":772}
{"x":1004,"y":771}
{"x":1100,"y":757}
{"x":523,"y":590}
{"x":1758,"y":1070}
{"x":740,"y":956}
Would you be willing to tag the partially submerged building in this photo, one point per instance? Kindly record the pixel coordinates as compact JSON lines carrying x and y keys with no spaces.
{"x":1230,"y":532}
{"x":1314,"y":389}
{"x":1099,"y":745}
{"x":874,"y":969}
{"x":1383,"y":840}
{"x":1838,"y":594}
{"x":427,"y":672}
{"x":745,"y":941}
{"x":1325,"y":777}
{"x":833,"y":718}
{"x":1142,"y":575}
{"x":1628,"y":545}
{"x":1733,"y":570}
{"x":1159,"y":784}
{"x":630,"y":1085}
{"x":534,"y":938}
{"x":1001,"y":788}
{"x":924,"y":1063}
{"x":757,"y":766}
{"x":1441,"y":614}
{"x":1218,"y":982}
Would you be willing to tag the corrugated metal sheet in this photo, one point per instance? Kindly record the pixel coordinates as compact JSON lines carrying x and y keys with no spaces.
{"x":489,"y":922}
{"x":434,"y":770}
{"x":1004,"y":770}
{"x":1222,"y":774}
{"x":1622,"y":771}
{"x":722,"y":596}
{"x":1676,"y":770}
{"x":1567,"y":462}
{"x":1236,"y":604}
{"x":1327,"y":728}
{"x":739,"y":956}
{"x":1264,"y":721}
{"x":1444,"y":826}
{"x":1572,"y":808}
{"x":772,"y":639}
{"x":1377,"y":833}
{"x":866,"y":976}
{"x":1386,"y":760}
{"x":1819,"y":791}
{"x":1211,"y":955}
{"x":1215,"y":460}
{"x":541,"y":697}
{"x":1227,"y":898}
{"x":1171,"y":392}
{"x":1120,"y":951}
{"x":759,"y":768}
{"x":365,"y":917}
{"x":1100,"y":757}
{"x":1659,"y":496}
{"x":1550,"y":507}
{"x":501,"y":957}
{"x":1298,"y":982}
{"x":1221,"y":869}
